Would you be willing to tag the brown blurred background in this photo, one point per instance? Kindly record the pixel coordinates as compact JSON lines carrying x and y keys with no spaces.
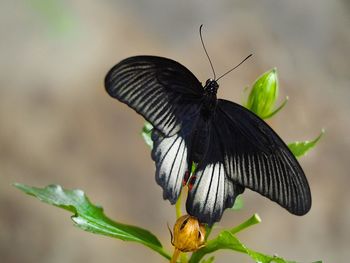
{"x":57,"y":124}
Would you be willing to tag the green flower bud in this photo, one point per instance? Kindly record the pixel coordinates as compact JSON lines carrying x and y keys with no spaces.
{"x":264,"y":94}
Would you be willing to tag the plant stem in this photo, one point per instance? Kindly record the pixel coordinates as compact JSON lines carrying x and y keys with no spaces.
{"x":163,"y":253}
{"x":178,"y":207}
{"x":208,"y":230}
{"x":175,"y":255}
{"x":255,"y":219}
{"x":183,"y":258}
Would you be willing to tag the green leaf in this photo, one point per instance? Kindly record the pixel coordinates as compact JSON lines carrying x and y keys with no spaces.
{"x":226,"y":240}
{"x":147,"y":133}
{"x":90,"y":217}
{"x":301,"y":148}
{"x":238,"y":205}
{"x":278,"y":109}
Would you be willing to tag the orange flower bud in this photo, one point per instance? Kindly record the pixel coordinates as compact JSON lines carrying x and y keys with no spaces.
{"x":189,"y":234}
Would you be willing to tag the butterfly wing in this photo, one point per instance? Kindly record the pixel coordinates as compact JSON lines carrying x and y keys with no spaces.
{"x":172,"y":161}
{"x":213,"y":190}
{"x":245,"y":152}
{"x":257,"y":158}
{"x":163,"y":91}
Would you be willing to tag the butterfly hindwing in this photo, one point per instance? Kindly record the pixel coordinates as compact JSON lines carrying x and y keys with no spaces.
{"x":213,"y":190}
{"x":162,"y":90}
{"x":171,"y":157}
{"x":256,"y":157}
{"x":211,"y":194}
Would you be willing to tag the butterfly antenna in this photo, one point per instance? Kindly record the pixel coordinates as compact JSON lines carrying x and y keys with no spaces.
{"x":235,"y":67}
{"x":205,"y":50}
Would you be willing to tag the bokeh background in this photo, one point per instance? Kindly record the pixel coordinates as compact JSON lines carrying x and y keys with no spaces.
{"x":57,"y":124}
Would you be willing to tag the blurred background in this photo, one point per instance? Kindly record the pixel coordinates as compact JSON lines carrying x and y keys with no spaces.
{"x":57,"y":124}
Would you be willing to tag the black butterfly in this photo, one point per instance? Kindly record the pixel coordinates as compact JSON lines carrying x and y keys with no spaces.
{"x":232,"y":147}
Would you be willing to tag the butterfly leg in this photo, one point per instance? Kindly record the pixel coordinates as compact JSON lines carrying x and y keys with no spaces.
{"x":189,"y":180}
{"x":186,"y":177}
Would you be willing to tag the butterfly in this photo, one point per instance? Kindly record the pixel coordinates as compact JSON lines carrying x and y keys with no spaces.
{"x":232,"y":148}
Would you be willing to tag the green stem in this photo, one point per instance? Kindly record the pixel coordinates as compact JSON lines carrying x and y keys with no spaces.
{"x":216,"y":243}
{"x":208,"y":230}
{"x":164,"y":253}
{"x":175,"y":256}
{"x":178,"y":207}
{"x":183,"y":258}
{"x":255,"y":219}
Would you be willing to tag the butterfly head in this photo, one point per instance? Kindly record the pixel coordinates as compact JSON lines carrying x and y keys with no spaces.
{"x":211,"y":86}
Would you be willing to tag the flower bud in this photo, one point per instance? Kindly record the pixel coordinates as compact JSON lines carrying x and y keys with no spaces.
{"x":189,"y":234}
{"x":263,"y":96}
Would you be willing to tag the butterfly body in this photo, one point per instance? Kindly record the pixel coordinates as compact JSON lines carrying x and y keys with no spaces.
{"x":199,"y":140}
{"x":233,"y":148}
{"x":201,"y":129}
{"x":211,"y":87}
{"x":209,"y":98}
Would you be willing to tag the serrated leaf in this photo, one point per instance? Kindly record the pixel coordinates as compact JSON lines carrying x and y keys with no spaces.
{"x":147,"y":133}
{"x":301,"y":148}
{"x":226,"y":240}
{"x":90,"y":217}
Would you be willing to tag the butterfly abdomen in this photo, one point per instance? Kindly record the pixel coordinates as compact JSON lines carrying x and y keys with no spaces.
{"x":200,"y":140}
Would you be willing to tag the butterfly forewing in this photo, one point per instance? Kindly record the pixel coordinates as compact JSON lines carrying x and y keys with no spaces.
{"x":162,"y":90}
{"x":255,"y":157}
